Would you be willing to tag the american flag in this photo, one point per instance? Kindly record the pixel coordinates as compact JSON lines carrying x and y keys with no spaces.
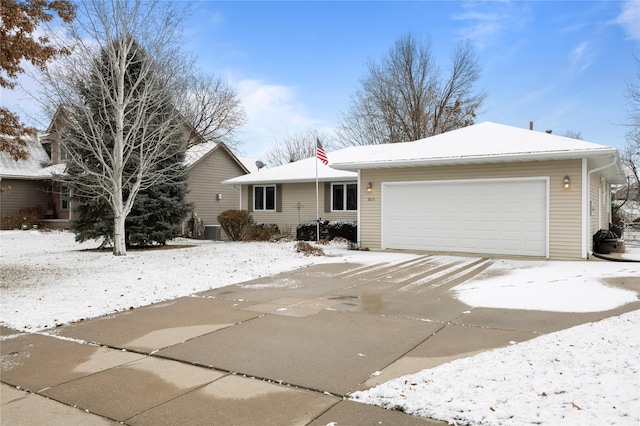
{"x":320,"y":154}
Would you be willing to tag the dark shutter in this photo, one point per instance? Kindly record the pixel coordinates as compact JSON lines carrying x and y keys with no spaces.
{"x":279,"y":197}
{"x":250,"y":198}
{"x":327,"y":197}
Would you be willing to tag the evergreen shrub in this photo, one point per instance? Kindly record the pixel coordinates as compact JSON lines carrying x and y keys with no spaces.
{"x":329,"y":230}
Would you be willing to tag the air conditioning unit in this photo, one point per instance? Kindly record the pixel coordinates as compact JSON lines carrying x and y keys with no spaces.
{"x":212,"y":232}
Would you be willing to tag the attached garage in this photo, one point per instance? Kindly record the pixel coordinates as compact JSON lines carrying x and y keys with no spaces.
{"x":485,"y":189}
{"x":484,"y":216}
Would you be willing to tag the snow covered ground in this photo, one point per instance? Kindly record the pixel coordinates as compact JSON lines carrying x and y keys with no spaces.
{"x":588,"y":374}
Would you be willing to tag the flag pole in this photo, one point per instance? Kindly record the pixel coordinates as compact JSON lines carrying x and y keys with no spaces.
{"x":322,"y":156}
{"x":317,"y":198}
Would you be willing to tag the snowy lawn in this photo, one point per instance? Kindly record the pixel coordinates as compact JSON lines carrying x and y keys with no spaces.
{"x":588,"y":374}
{"x":47,"y":279}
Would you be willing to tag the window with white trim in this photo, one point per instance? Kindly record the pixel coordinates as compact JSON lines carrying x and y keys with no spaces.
{"x":344,"y":196}
{"x":264,"y":197}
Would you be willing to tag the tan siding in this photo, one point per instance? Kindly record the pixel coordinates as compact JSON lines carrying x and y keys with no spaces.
{"x":205,"y":179}
{"x":599,"y":219}
{"x":24,"y":194}
{"x":564,"y":204}
{"x":294,"y":194}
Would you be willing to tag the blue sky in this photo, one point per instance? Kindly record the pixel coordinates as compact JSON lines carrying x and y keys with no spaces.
{"x":562,"y":65}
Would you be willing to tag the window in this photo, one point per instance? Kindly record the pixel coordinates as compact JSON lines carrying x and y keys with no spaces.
{"x":344,"y":196}
{"x":64,"y":198}
{"x":64,"y":154}
{"x":264,"y":197}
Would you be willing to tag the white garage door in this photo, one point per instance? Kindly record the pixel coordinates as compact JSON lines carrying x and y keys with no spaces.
{"x":502,"y":216}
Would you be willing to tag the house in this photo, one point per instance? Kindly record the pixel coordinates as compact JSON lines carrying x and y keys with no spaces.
{"x":484,"y":189}
{"x":286,"y":195}
{"x":208,"y":164}
{"x":27,"y":183}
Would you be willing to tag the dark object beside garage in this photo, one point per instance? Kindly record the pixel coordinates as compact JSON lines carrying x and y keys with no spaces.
{"x":605,"y":241}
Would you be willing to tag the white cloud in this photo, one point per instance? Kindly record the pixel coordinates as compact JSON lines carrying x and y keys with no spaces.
{"x":273,"y":111}
{"x":488,"y":20}
{"x":580,"y":57}
{"x":629,"y":19}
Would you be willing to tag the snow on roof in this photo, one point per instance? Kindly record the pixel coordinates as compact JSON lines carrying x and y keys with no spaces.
{"x":486,"y":142}
{"x":249,"y":163}
{"x":196,"y":152}
{"x":298,"y":171}
{"x":34,"y":167}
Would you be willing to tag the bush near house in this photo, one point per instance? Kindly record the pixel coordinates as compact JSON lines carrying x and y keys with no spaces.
{"x":239,"y":226}
{"x":260,"y":232}
{"x":343,"y":229}
{"x":329,"y":230}
{"x":235,"y":223}
{"x":28,"y":217}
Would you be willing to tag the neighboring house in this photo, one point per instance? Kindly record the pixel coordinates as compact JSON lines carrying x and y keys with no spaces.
{"x":286,"y":195}
{"x":27,"y":183}
{"x":485,"y":189}
{"x":630,"y":210}
{"x":626,"y":201}
{"x":208,"y":163}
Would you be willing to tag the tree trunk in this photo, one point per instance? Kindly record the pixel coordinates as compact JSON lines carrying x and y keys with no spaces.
{"x":119,"y":242}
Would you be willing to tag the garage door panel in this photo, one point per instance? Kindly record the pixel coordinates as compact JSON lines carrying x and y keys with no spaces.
{"x":494,"y":217}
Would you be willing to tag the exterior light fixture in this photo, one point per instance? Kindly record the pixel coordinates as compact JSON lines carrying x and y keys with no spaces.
{"x":566,"y":181}
{"x":370,"y":187}
{"x":218,"y":196}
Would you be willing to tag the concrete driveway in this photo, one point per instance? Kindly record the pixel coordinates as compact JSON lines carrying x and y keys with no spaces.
{"x":280,"y":350}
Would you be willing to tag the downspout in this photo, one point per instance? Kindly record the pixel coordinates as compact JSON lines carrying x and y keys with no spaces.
{"x":588,"y":206}
{"x":358,"y":221}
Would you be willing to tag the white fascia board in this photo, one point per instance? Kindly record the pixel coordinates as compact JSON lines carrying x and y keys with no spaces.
{"x":484,"y":159}
{"x":25,"y":177}
{"x":255,"y":181}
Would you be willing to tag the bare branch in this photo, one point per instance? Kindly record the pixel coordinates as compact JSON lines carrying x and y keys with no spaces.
{"x":296,"y":146}
{"x":405,"y":97}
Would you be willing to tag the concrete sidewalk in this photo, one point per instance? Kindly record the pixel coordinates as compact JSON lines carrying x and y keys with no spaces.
{"x":280,"y":350}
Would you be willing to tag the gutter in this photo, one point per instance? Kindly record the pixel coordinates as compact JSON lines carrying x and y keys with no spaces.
{"x":474,"y":159}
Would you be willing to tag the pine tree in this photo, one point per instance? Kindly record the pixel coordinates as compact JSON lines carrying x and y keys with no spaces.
{"x":157,"y":208}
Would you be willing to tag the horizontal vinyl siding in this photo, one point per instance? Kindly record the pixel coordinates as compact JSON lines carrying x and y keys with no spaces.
{"x":600,"y":217}
{"x":292,"y":194}
{"x":564,"y":205}
{"x":205,"y":179}
{"x":24,"y":194}
{"x":565,"y":212}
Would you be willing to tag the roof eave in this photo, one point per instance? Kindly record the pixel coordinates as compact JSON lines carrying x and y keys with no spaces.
{"x":484,"y":159}
{"x":298,"y":180}
{"x":24,"y":177}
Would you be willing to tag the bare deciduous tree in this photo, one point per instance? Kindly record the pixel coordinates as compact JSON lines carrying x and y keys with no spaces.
{"x":407,"y":97}
{"x":573,"y":134}
{"x":119,"y":134}
{"x":212,"y":107}
{"x":295,"y":147}
{"x":631,"y":153}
